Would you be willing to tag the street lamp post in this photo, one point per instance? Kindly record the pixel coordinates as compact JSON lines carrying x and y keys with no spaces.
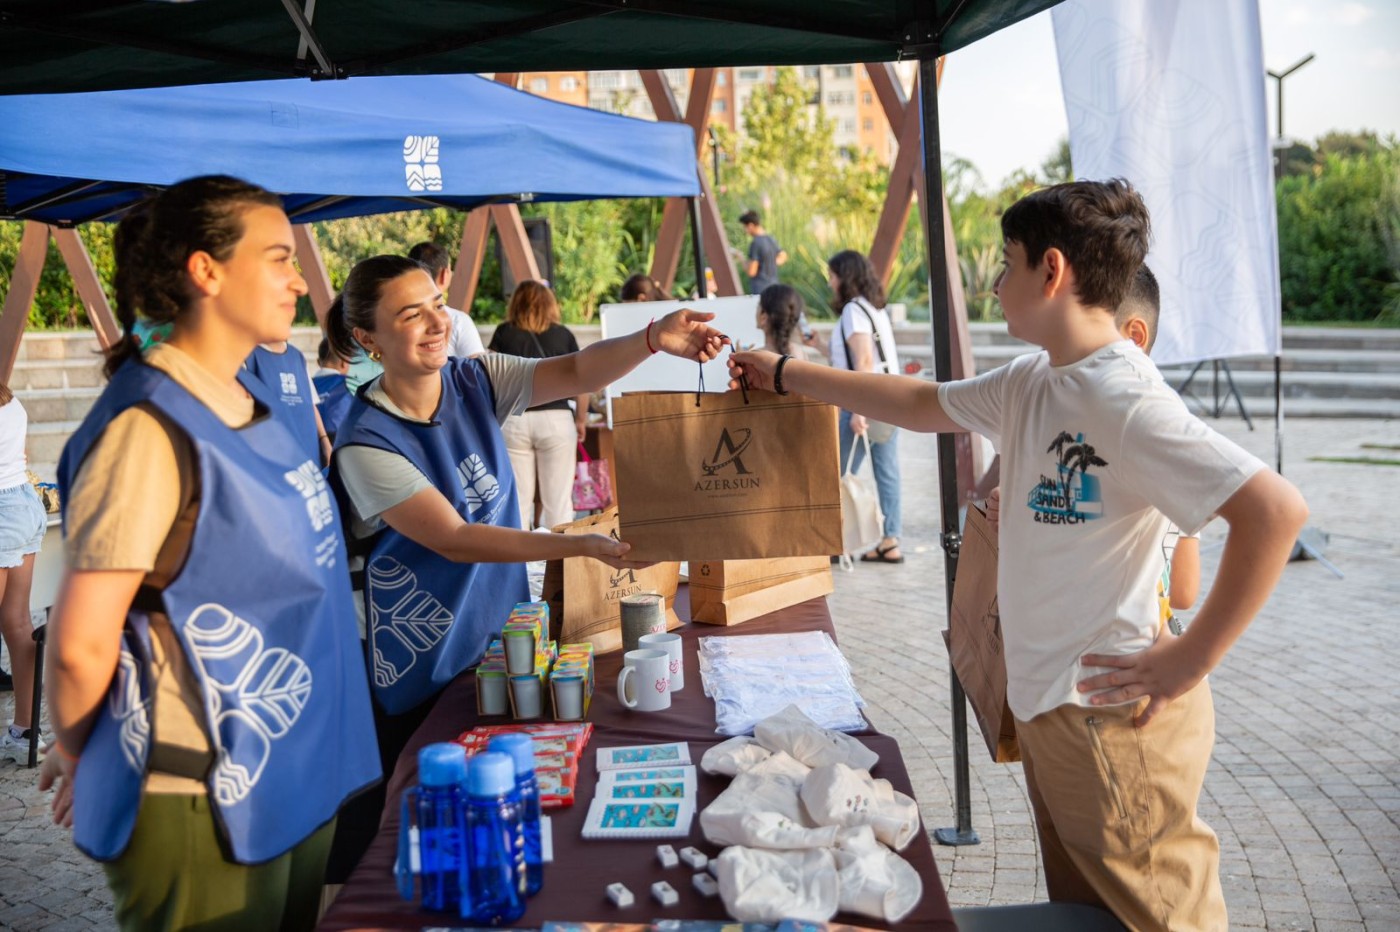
{"x":1278,"y":77}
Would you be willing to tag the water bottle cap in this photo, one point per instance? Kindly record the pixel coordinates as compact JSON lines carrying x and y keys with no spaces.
{"x":521,"y":749}
{"x":490,"y":774}
{"x":442,"y":764}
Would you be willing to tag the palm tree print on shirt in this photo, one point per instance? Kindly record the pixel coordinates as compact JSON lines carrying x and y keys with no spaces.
{"x":1071,"y":496}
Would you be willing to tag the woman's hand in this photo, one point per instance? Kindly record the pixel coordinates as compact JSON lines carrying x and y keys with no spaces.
{"x":610,"y":551}
{"x":755,"y":365}
{"x":684,"y":333}
{"x":59,"y":768}
{"x":859,"y":425}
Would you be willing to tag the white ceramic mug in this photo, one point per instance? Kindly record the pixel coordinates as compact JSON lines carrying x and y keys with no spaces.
{"x":649,"y":671}
{"x":671,"y":643}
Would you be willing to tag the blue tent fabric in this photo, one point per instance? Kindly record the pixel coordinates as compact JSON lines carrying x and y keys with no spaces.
{"x":332,"y":149}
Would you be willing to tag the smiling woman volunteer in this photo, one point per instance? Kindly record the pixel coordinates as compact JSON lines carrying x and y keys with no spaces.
{"x":430,"y":496}
{"x":205,"y":681}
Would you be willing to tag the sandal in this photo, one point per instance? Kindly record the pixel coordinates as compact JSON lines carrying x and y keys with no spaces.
{"x":881,"y":555}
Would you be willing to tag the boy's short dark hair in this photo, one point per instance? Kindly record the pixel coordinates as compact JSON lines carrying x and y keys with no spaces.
{"x":1102,"y":227}
{"x":750,"y":216}
{"x":432,"y":257}
{"x":325,"y":355}
{"x":1144,"y":300}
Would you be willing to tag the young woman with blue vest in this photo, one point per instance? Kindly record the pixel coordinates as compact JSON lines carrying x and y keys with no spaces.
{"x":429,"y":495}
{"x":206,"y":684}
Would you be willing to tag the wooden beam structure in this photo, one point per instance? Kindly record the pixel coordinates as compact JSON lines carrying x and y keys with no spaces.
{"x":24,"y":285}
{"x":313,"y":269}
{"x":461,"y":291}
{"x":88,"y":286}
{"x":674,"y":216}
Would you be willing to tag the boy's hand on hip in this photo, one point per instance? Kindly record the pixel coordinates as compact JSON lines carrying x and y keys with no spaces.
{"x":1164,"y":671}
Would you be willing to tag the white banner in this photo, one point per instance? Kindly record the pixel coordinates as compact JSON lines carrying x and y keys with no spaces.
{"x":1169,"y":94}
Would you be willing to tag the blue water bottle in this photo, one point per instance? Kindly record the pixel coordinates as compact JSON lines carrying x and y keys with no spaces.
{"x":522,"y":750}
{"x":491,"y":893}
{"x":432,"y":829}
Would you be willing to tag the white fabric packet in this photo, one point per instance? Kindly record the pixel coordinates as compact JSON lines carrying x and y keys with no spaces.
{"x":769,"y":886}
{"x":839,"y":795}
{"x":874,"y":880}
{"x":761,"y":809}
{"x":792,"y":731}
{"x":735,"y":756}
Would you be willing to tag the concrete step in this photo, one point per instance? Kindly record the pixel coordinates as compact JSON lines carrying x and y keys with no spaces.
{"x":1379,"y":386}
{"x":50,"y":405}
{"x":45,"y":444}
{"x":75,"y":372}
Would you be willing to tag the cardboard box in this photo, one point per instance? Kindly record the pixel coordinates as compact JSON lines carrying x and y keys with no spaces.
{"x":728,"y":592}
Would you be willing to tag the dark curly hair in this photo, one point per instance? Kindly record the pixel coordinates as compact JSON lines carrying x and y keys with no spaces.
{"x":857,"y":279}
{"x":154,"y":242}
{"x":1102,"y":227}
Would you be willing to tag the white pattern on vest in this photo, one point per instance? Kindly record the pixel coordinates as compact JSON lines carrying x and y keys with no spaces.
{"x":481,"y":487}
{"x":307,"y":480}
{"x":131,"y":712}
{"x":405,"y":621}
{"x":254,"y":695}
{"x":421,"y":170}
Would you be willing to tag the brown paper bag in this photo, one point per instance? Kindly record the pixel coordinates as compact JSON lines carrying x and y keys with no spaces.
{"x":585,"y":595}
{"x":974,"y":638}
{"x":727,"y":480}
{"x":727,"y":592}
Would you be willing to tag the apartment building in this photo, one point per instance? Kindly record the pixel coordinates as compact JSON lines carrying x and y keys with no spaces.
{"x":844,"y":92}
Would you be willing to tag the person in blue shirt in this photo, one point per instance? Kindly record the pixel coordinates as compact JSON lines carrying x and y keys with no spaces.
{"x":332,"y":392}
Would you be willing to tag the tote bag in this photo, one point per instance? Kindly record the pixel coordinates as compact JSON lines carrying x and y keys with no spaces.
{"x":862,"y":521}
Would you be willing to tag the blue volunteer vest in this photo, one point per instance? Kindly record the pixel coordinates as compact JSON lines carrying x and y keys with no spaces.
{"x":263,"y":610}
{"x":334,"y":401}
{"x":285,"y":376}
{"x":428,"y":618}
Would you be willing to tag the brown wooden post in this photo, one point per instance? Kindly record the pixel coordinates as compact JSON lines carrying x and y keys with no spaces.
{"x":899,"y":196}
{"x":674,"y":219}
{"x":313,"y":269}
{"x":24,"y":284}
{"x":520,"y":258}
{"x":470,"y":255}
{"x":88,"y":285}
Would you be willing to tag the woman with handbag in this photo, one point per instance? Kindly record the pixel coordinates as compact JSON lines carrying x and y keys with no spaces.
{"x":864,"y":341}
{"x":22,"y":526}
{"x":428,"y":492}
{"x":541,"y":441}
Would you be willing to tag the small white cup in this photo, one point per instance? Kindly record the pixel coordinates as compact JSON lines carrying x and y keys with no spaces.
{"x":650,"y":673}
{"x":671,"y":643}
{"x":525,"y":693}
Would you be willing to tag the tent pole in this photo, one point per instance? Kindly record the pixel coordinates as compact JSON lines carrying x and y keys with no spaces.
{"x":1278,"y":413}
{"x":702,"y":287}
{"x":934,"y":240}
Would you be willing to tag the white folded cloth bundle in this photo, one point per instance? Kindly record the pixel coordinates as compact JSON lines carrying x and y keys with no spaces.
{"x":769,"y":886}
{"x":792,"y":731}
{"x":841,"y":795}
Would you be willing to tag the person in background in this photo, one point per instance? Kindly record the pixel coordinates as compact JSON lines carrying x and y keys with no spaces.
{"x":205,"y":682}
{"x":465,"y":339}
{"x":542,"y":440}
{"x":22,"y":525}
{"x":282,"y":368}
{"x":333,"y":395}
{"x":765,"y":255}
{"x":642,"y":288}
{"x":863,"y":341}
{"x":780,"y":308}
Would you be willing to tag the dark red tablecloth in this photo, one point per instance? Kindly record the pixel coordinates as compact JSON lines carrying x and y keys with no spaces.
{"x":575,"y":883}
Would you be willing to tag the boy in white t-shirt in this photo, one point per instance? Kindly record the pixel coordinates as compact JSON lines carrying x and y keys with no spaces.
{"x":1099,"y":455}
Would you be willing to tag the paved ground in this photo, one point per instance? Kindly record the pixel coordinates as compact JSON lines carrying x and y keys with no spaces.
{"x":1304,"y":789}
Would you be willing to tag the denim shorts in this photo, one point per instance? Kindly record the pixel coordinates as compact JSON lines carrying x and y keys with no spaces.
{"x":22,"y":524}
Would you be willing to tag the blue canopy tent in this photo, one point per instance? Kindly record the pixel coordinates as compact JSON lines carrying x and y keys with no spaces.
{"x":332,"y":149}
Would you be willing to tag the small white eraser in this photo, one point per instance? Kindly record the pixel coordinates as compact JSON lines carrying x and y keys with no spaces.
{"x":667,"y":856}
{"x":665,"y":894}
{"x":706,"y":884}
{"x":620,"y":895}
{"x":695,"y":858}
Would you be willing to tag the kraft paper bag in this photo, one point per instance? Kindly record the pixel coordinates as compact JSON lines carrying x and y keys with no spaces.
{"x":974,"y":638}
{"x":585,"y":595}
{"x":728,"y":592}
{"x":724,"y":479}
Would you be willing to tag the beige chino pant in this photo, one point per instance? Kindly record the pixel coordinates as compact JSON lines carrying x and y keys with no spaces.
{"x":1115,"y":809}
{"x":543,"y":449}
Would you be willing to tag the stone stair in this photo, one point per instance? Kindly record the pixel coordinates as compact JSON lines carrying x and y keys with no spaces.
{"x":1327,"y":372}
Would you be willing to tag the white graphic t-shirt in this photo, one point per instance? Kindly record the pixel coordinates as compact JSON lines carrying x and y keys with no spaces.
{"x":1098,"y":457}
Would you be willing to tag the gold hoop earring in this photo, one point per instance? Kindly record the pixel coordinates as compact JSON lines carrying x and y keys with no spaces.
{"x":376,"y":355}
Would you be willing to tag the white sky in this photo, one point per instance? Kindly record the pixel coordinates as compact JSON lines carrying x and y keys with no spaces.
{"x":1001,"y":105}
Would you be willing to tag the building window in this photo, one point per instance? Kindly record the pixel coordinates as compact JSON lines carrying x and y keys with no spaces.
{"x":720,"y":105}
{"x":868,"y":125}
{"x":722,"y":78}
{"x":865,"y":98}
{"x":607,"y":80}
{"x":848,"y":126}
{"x":842,"y":71}
{"x":812,"y":72}
{"x":568,"y":84}
{"x":539,"y":85}
{"x":750,"y":74}
{"x":840,"y":98}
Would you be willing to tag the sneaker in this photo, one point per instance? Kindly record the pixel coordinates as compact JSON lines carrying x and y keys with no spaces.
{"x":17,"y":749}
